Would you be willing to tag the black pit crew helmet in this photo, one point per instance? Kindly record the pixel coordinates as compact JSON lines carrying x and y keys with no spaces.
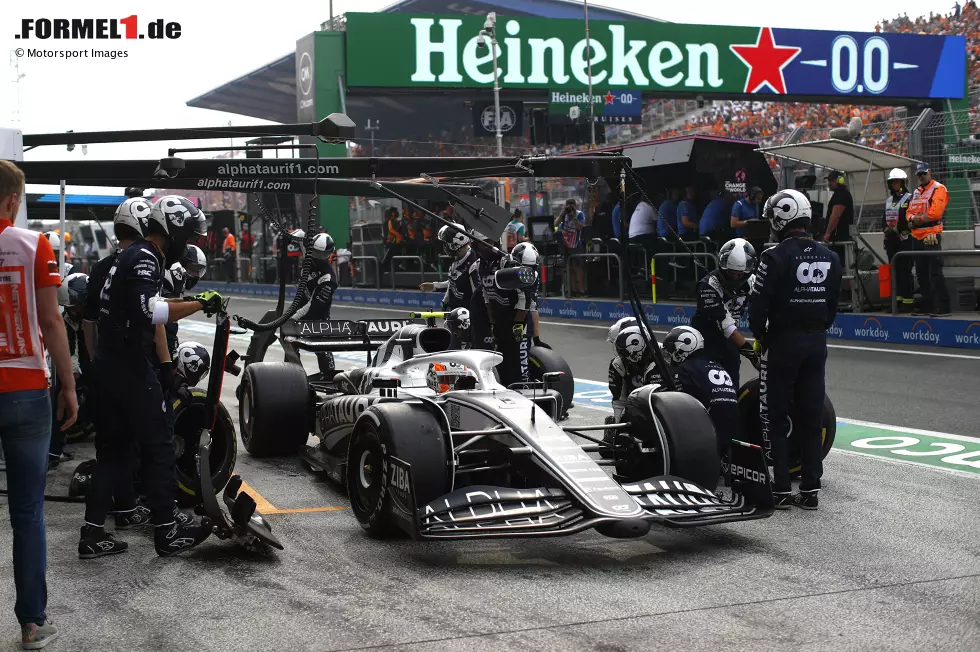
{"x":682,"y":342}
{"x":193,"y":362}
{"x":787,"y":208}
{"x":179,"y":220}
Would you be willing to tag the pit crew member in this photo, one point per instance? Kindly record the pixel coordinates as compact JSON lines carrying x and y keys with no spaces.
{"x":528,"y":255}
{"x":481,"y":335}
{"x":722,"y":296}
{"x":71,"y":297}
{"x":631,"y":368}
{"x":792,"y":304}
{"x":181,"y":277}
{"x":459,"y":290}
{"x":130,"y":354}
{"x":318,"y":293}
{"x":706,"y":380}
{"x":509,"y":312}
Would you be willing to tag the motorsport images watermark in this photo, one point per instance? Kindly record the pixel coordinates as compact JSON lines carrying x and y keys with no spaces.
{"x":35,"y":53}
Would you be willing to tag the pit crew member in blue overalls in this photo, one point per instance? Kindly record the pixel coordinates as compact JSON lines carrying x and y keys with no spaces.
{"x":792,"y":304}
{"x":527,"y":252}
{"x":135,"y":369}
{"x":706,"y":380}
{"x":487,"y":260}
{"x":71,"y":297}
{"x":318,"y":293}
{"x":722,"y":297}
{"x":182,"y":277}
{"x":631,"y":367}
{"x":510,"y":316}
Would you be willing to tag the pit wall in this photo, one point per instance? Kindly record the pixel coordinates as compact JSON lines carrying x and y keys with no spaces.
{"x":954,"y":333}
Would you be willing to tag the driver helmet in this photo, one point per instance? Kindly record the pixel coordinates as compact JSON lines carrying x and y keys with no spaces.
{"x":179,"y":219}
{"x":458,"y":321}
{"x":617,"y":327}
{"x":630,"y":345}
{"x":737,"y":260}
{"x":682,"y":342}
{"x":452,"y":240}
{"x":526,"y":254}
{"x":442,"y":376}
{"x":195,"y":263}
{"x":134,"y":213}
{"x":193,"y":362}
{"x":72,"y":292}
{"x":787,"y":208}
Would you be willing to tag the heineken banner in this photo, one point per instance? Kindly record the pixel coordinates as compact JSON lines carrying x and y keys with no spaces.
{"x":612,"y":107}
{"x":437,"y":51}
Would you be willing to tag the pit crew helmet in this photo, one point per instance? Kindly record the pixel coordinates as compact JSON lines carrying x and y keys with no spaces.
{"x":180,"y":220}
{"x":195,"y":263}
{"x":172,"y":279}
{"x":737,"y":260}
{"x":442,"y":376}
{"x":133,"y":213}
{"x":526,"y":254}
{"x":72,"y":291}
{"x":458,"y":322}
{"x":322,"y":247}
{"x":630,"y":344}
{"x":617,"y":327}
{"x":193,"y":362}
{"x":787,"y":208}
{"x":682,"y":342}
{"x":451,"y":239}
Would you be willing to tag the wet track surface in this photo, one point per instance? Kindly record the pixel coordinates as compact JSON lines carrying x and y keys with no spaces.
{"x":891,"y":561}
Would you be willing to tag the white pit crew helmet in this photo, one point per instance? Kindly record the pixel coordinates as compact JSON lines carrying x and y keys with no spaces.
{"x":178,"y":217}
{"x":194,"y":261}
{"x":322,"y":246}
{"x":193,"y":362}
{"x":452,"y":239}
{"x":786,"y":207}
{"x":526,"y":254}
{"x":737,"y":255}
{"x":134,"y":213}
{"x":73,"y":290}
{"x":681,"y":342}
{"x":630,"y":344}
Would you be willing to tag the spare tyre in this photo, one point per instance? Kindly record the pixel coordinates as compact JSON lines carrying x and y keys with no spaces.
{"x":751,"y":429}
{"x":274,"y":410}
{"x":188,"y":422}
{"x":670,"y":433}
{"x":542,"y":361}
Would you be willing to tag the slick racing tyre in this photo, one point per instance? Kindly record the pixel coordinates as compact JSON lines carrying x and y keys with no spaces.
{"x":749,"y":426}
{"x":544,"y":361}
{"x":670,"y":433}
{"x":274,"y":410}
{"x":188,"y":422}
{"x":379,"y":491}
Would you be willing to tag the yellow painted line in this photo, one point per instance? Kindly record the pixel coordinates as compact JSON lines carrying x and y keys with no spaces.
{"x":264,"y":507}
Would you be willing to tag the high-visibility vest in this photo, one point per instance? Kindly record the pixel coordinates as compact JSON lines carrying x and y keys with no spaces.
{"x":929,"y":202}
{"x":893,"y":209}
{"x":20,"y":334}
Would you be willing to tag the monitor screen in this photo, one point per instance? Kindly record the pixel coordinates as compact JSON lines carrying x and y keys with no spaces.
{"x":541,"y":230}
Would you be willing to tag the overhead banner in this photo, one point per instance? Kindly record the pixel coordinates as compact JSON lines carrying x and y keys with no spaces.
{"x":511,"y":118}
{"x":438,"y":51}
{"x":622,"y":107}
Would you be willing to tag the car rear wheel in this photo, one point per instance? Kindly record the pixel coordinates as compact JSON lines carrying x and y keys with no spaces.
{"x":670,"y":433}
{"x":413,"y":435}
{"x":188,"y":423}
{"x":274,"y":410}
{"x":542,"y":361}
{"x":751,"y":429}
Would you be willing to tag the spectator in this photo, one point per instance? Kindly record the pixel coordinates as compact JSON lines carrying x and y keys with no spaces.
{"x":25,"y":405}
{"x":514,"y":233}
{"x":715,"y":221}
{"x":745,"y":210}
{"x":643,"y":225}
{"x":688,"y":215}
{"x":229,"y":253}
{"x":570,"y":224}
{"x":667,"y":222}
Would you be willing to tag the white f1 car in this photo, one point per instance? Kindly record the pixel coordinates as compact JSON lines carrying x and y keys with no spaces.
{"x":427,"y":441}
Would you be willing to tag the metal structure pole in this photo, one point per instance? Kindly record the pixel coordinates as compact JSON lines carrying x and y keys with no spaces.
{"x":588,"y":48}
{"x":61,"y":213}
{"x":496,"y":93}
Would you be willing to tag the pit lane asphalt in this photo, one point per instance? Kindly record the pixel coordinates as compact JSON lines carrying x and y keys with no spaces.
{"x":891,"y":561}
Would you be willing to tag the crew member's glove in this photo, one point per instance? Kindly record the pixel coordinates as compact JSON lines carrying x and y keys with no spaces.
{"x":165,"y":372}
{"x":518,"y":330}
{"x":759,"y":348}
{"x":748,"y":350}
{"x":210,"y":301}
{"x":930,"y":240}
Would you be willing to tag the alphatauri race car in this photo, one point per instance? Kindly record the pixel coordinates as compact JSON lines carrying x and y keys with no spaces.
{"x":427,"y":442}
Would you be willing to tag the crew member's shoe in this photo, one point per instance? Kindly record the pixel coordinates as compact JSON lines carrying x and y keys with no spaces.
{"x":941,"y":314}
{"x":921,"y":313}
{"x":35,"y":637}
{"x":183,"y":517}
{"x":806,"y":500}
{"x":783,"y":500}
{"x":173,"y":538}
{"x":135,"y":518}
{"x":96,"y":542}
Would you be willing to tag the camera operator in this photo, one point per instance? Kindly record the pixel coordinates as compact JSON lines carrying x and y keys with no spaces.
{"x":135,"y":375}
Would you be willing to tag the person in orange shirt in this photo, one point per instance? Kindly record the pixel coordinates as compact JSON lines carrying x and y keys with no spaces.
{"x":30,"y":321}
{"x":925,"y":216}
{"x":229,"y":252}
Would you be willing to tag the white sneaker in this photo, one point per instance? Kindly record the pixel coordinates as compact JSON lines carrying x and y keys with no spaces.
{"x":35,"y":637}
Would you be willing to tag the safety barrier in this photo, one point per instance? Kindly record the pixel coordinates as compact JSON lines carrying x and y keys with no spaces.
{"x":923,"y":254}
{"x":377,"y":271}
{"x":619,"y":263}
{"x":420,"y":261}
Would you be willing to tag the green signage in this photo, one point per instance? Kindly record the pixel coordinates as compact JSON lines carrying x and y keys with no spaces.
{"x":946,"y":451}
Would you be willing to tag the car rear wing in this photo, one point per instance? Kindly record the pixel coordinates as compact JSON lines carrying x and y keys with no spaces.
{"x":341,"y":334}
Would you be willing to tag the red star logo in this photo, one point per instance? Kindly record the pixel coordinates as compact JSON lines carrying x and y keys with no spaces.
{"x":609,"y":97}
{"x":766,"y":61}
